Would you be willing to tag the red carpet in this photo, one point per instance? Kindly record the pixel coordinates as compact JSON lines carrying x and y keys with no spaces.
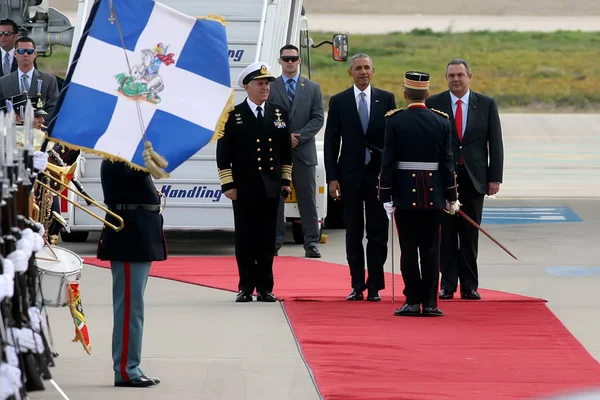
{"x":503,"y":347}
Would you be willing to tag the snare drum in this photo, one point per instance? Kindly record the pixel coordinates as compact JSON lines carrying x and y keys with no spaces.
{"x":55,"y":274}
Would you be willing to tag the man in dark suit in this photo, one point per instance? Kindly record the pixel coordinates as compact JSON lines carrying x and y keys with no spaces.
{"x":254,"y":160}
{"x":131,"y":194}
{"x":303,"y":101}
{"x":356,"y":119}
{"x":9,"y":33}
{"x":417,"y":183}
{"x":28,"y":79}
{"x":479,"y":159}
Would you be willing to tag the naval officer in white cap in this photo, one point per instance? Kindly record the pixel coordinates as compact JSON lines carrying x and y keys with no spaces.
{"x":254,"y":160}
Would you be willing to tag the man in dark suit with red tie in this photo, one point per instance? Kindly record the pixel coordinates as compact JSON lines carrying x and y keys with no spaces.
{"x":479,"y":159}
{"x":356,"y":123}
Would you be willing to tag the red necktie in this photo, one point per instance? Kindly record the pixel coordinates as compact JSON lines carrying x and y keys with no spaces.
{"x":458,"y":119}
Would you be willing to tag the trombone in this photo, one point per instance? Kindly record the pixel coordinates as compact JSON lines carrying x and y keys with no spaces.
{"x":65,"y":171}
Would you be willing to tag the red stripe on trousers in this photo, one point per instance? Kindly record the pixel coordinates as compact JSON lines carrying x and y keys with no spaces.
{"x":126,"y":318}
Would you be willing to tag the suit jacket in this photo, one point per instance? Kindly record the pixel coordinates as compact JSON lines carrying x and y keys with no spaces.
{"x":249,"y":153}
{"x":482,"y":139}
{"x":417,"y":135}
{"x":10,"y":86}
{"x":142,"y":238}
{"x":13,"y":67}
{"x":344,"y":132}
{"x":305,"y":114}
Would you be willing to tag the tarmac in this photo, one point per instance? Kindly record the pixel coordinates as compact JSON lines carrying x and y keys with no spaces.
{"x":204,"y":346}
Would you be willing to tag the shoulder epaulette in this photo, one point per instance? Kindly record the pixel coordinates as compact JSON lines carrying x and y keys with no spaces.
{"x":443,"y":114}
{"x":392,"y":112}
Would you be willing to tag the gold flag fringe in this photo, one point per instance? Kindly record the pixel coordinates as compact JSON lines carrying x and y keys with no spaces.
{"x":213,"y":17}
{"x":220,"y":128}
{"x":113,"y":158}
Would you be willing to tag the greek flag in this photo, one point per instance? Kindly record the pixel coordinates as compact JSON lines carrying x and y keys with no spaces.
{"x":145,"y":72}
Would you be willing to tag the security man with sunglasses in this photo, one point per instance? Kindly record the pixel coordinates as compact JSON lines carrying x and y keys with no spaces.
{"x":9,"y":33}
{"x":303,"y":101}
{"x":27,"y":79}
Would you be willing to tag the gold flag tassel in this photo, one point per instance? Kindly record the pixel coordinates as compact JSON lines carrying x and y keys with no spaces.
{"x":155,"y":163}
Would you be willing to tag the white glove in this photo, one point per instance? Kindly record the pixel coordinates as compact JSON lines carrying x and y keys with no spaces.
{"x":453,"y":208}
{"x":26,"y":340}
{"x":7,"y":287}
{"x":41,"y":229}
{"x":25,"y":244}
{"x":40,"y":160}
{"x":37,"y":241}
{"x":19,"y":259}
{"x":8,"y":268}
{"x":389,"y":209}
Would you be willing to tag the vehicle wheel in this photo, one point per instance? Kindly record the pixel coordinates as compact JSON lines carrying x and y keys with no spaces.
{"x":297,"y":232}
{"x":335,"y":214}
{"x":74,"y":237}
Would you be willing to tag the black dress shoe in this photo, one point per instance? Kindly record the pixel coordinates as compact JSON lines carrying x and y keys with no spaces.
{"x":432,"y":312}
{"x":446,"y":295}
{"x":243,"y":297}
{"x":470,"y":295}
{"x":409,"y":310}
{"x":312,"y":252}
{"x":356,"y":294}
{"x":266,"y":297}
{"x":373,"y":296}
{"x":156,"y":380}
{"x":140,"y":381}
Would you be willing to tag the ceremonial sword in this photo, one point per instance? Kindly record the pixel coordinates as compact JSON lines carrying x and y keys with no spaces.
{"x":465,"y":216}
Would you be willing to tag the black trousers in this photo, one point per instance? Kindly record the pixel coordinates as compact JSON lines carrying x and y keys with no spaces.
{"x":419,"y":234}
{"x":460,"y":239}
{"x":359,"y":207}
{"x":255,"y":218}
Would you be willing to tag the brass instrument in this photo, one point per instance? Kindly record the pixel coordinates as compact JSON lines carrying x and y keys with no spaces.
{"x":41,"y":213}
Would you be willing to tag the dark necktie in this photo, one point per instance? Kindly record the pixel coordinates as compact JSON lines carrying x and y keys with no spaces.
{"x":290,"y":90}
{"x":259,"y":116}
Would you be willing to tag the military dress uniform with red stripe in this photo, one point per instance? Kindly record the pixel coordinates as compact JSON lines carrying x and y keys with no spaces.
{"x":131,"y":194}
{"x":417,"y":175}
{"x":254,"y":157}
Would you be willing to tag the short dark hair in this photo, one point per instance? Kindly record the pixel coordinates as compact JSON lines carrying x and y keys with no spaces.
{"x":459,"y":61}
{"x":415,"y":95}
{"x":24,"y":39}
{"x":10,"y":22}
{"x":288,"y":47}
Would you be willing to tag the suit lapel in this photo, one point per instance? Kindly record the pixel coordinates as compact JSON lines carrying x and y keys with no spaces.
{"x":248,"y":117}
{"x":33,"y":84}
{"x":471,"y":116}
{"x":280,"y":87}
{"x":375,"y":107}
{"x":15,"y":83}
{"x":353,"y":113}
{"x":298,"y":93}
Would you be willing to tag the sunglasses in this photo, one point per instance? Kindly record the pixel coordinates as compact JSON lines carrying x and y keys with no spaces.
{"x":291,"y":58}
{"x":7,"y":33}
{"x":23,"y":51}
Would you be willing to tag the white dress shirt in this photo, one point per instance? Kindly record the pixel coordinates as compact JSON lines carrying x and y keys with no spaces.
{"x":254,"y":106}
{"x":367,"y":92}
{"x":465,"y":109}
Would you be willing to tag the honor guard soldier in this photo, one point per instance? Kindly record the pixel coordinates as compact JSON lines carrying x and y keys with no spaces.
{"x":417,"y":183}
{"x":131,"y":194}
{"x":254,"y":161}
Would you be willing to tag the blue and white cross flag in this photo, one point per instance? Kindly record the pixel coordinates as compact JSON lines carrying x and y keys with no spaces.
{"x":144,"y":72}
